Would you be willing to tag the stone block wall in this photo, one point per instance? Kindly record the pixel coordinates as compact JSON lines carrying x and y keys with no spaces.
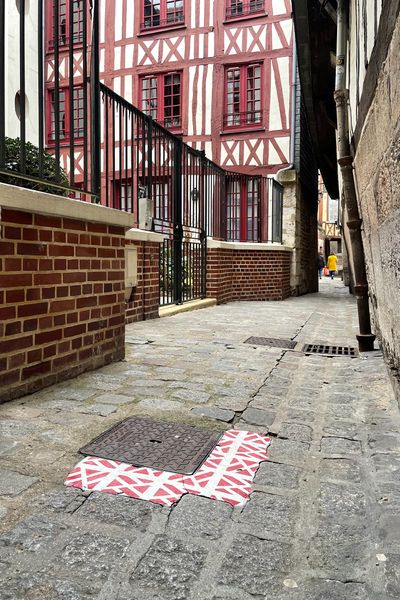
{"x":300,"y":231}
{"x":239,"y":271}
{"x":144,"y":300}
{"x":377,"y":170}
{"x":62,"y":284}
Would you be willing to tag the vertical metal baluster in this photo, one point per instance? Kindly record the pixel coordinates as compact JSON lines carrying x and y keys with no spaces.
{"x":106,"y":105}
{"x":71,"y":95}
{"x":56,"y":97}
{"x":133,"y":199}
{"x":2,"y":86}
{"x":85,"y":97}
{"x":113,"y":182}
{"x":40,"y":87}
{"x":22,"y":87}
{"x":120,"y":165}
{"x":95,"y":102}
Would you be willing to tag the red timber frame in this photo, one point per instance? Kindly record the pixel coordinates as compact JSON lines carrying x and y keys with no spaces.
{"x":201,"y":44}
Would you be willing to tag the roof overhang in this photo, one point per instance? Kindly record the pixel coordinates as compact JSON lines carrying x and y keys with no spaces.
{"x":316,"y":47}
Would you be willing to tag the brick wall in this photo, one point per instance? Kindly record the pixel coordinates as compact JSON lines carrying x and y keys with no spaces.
{"x":244,"y":274}
{"x":145,"y":299}
{"x":62,"y":304}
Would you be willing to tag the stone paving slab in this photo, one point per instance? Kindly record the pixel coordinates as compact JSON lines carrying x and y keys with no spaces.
{"x":322,"y":522}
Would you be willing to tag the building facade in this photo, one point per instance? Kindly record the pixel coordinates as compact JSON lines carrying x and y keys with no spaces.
{"x":216,"y":73}
{"x":369,"y":42}
{"x":17,"y":99}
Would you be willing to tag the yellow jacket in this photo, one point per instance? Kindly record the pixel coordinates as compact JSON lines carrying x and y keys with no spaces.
{"x":332,"y":262}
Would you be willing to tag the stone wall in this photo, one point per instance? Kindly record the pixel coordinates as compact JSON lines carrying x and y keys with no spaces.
{"x":300,"y":231}
{"x":143,"y":301}
{"x":377,"y":169}
{"x":62,"y":289}
{"x":240,"y":271}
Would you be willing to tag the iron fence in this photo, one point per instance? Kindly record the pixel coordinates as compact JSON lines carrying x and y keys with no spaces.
{"x":48,"y":117}
{"x":73,"y":135}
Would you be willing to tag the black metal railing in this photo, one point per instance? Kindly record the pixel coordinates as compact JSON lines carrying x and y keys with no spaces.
{"x":36,"y":149}
{"x":235,"y":8}
{"x":118,"y":155}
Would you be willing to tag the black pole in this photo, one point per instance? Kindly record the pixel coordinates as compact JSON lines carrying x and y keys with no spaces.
{"x":95,"y":102}
{"x":73,"y":106}
{"x":85,"y":96}
{"x":40,"y":87}
{"x":178,"y":229}
{"x":56,"y":96}
{"x":2,"y":86}
{"x":22,"y":87}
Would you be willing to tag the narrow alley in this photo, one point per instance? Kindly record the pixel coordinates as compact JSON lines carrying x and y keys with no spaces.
{"x":322,"y":520}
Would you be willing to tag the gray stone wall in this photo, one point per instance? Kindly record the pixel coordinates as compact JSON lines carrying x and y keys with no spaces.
{"x":300,"y":231}
{"x":377,"y":169}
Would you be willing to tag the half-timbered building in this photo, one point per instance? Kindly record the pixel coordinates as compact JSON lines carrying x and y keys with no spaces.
{"x":216,"y":72}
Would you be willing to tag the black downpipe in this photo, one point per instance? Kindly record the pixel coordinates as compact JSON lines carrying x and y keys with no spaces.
{"x":95,"y":104}
{"x":178,"y":229}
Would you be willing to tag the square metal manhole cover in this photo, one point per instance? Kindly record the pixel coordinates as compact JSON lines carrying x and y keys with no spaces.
{"x":325,"y":350}
{"x":274,"y":342}
{"x":157,"y":445}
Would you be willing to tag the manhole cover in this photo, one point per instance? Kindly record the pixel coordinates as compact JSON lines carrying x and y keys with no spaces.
{"x":324,"y":350}
{"x":274,"y":342}
{"x":161,"y":446}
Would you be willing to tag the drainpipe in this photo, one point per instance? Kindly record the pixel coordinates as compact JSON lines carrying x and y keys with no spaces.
{"x":365,"y":338}
{"x":293,"y":112}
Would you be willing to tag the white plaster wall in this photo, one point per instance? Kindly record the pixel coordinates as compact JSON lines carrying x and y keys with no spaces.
{"x":12,"y":60}
{"x":363,"y":30}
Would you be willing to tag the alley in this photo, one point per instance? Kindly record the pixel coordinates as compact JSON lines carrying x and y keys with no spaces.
{"x":323,"y":520}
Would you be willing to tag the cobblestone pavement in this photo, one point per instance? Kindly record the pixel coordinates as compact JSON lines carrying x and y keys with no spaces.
{"x":323,"y":521}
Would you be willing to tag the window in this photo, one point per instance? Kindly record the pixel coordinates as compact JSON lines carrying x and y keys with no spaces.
{"x":238,"y":8}
{"x":161,"y":98}
{"x":162,"y":13}
{"x":64,"y":16}
{"x":64,"y":115}
{"x":243,"y":96}
{"x":122,"y":194}
{"x":242,"y":209}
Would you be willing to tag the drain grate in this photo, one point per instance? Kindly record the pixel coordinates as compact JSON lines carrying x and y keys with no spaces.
{"x":157,"y":445}
{"x":325,"y":350}
{"x":274,"y":342}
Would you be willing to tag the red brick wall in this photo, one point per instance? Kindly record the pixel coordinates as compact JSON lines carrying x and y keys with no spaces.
{"x":62,"y":305}
{"x":248,"y":274}
{"x":145,"y":299}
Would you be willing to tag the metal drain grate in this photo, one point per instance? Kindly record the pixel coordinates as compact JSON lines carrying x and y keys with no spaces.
{"x":274,"y":342}
{"x":324,"y":350}
{"x":157,"y":445}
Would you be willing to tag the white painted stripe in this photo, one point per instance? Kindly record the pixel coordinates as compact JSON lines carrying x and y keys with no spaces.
{"x":199,"y":114}
{"x":118,"y":20}
{"x":130,"y":18}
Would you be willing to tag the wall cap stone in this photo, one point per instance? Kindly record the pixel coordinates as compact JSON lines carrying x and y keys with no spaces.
{"x":273,"y":247}
{"x":286,"y":176}
{"x":33,"y":201}
{"x":139,"y":235}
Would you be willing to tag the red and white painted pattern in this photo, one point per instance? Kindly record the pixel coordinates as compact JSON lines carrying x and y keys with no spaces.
{"x":226,"y":475}
{"x":102,"y":475}
{"x":229,"y":471}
